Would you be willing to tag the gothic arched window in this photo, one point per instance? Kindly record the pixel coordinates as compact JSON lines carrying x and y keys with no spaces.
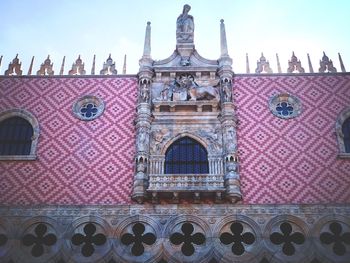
{"x":15,"y":136}
{"x":186,"y":156}
{"x":346,"y":132}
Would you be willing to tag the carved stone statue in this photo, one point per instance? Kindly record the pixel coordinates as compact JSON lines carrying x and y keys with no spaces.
{"x":185,"y":26}
{"x":142,"y":139}
{"x":144,"y":91}
{"x":226,"y":90}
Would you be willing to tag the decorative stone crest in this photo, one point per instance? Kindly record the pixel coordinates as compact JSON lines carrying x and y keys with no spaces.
{"x":326,"y":65}
{"x":77,"y":68}
{"x":295,"y":65}
{"x":108,"y":67}
{"x":263,"y":65}
{"x":14,"y":68}
{"x":46,"y":68}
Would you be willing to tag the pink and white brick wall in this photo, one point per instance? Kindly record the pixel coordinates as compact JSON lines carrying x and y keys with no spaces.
{"x":79,"y":162}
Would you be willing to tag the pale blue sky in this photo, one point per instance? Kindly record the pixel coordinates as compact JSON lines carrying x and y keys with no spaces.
{"x":87,"y":27}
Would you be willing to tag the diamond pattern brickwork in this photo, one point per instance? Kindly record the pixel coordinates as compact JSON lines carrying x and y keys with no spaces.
{"x":295,"y":160}
{"x":79,"y":162}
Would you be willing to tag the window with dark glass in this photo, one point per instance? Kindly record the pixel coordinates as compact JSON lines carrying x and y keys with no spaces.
{"x":346,"y":132}
{"x":15,"y":136}
{"x":186,"y":156}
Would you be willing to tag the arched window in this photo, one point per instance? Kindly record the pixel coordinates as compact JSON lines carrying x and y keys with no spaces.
{"x":346,"y":132}
{"x":15,"y":136}
{"x":186,"y":156}
{"x":19,"y":133}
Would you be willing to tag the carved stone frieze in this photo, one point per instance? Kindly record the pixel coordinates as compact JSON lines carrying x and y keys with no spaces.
{"x":190,"y":233}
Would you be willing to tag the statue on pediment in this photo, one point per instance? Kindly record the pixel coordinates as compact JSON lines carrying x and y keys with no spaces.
{"x":185,"y":26}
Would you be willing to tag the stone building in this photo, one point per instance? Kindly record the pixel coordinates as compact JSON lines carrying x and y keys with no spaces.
{"x":183,"y":162}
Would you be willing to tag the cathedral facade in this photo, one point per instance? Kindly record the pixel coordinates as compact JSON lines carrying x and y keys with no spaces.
{"x":183,"y":162}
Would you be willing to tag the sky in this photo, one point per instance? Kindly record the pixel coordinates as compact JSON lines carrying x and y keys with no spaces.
{"x":86,"y":27}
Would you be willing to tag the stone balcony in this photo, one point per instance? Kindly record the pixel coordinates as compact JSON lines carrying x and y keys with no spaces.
{"x":187,"y":184}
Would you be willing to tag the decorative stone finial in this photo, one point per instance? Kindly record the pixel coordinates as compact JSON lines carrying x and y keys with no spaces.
{"x":247,"y":62}
{"x":31,"y":66}
{"x":93,"y":65}
{"x":185,"y":26}
{"x":340,"y":61}
{"x":62,"y":66}
{"x":279,"y":69}
{"x":124,"y":65}
{"x":311,"y":69}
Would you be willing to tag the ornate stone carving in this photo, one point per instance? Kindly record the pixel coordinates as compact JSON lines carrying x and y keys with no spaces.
{"x":295,"y":65}
{"x":46,"y":68}
{"x":108,"y":67}
{"x":326,"y":65}
{"x":158,"y":138}
{"x":185,"y":26}
{"x":263,"y":65}
{"x":77,"y":68}
{"x":184,"y":88}
{"x":14,"y":68}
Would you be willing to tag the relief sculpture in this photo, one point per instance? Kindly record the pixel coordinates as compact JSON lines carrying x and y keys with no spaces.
{"x":184,"y":88}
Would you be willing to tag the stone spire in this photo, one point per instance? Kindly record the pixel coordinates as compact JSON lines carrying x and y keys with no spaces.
{"x":342,"y":67}
{"x":146,"y":60}
{"x":223,"y":41}
{"x":147,"y":44}
{"x":62,"y":66}
{"x":0,"y":60}
{"x":31,"y":66}
{"x":279,"y":69}
{"x":124,"y":65}
{"x":224,"y":59}
{"x":311,"y":69}
{"x":93,"y":65}
{"x":247,"y":63}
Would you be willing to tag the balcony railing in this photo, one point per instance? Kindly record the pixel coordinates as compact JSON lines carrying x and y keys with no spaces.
{"x":186,"y":183}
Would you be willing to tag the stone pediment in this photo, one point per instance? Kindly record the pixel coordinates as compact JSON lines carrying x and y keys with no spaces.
{"x":174,"y":63}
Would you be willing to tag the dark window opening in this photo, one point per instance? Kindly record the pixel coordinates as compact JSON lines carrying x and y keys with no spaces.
{"x":186,"y":156}
{"x":346,"y":132}
{"x":15,"y":136}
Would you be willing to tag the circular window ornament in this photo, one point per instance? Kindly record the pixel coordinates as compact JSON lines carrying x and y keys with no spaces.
{"x":285,"y":106}
{"x":88,"y":108}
